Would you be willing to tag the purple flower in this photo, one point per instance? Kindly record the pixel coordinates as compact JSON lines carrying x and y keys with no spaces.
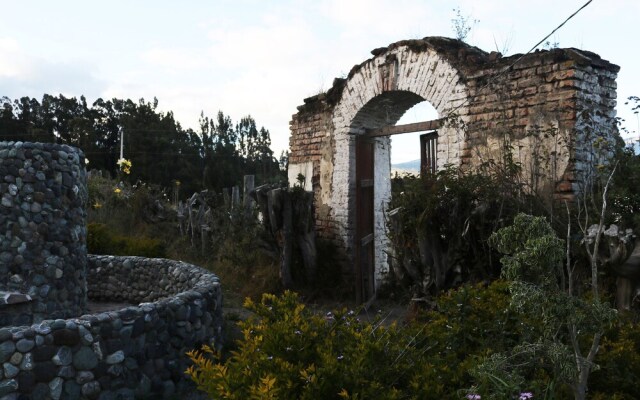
{"x":473,"y":396}
{"x":525,"y":396}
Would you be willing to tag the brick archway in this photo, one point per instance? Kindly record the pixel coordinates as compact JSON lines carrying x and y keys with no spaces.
{"x":377,"y":95}
{"x":495,"y":98}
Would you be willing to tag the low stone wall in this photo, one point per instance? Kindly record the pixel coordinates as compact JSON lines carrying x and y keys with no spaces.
{"x":135,"y":352}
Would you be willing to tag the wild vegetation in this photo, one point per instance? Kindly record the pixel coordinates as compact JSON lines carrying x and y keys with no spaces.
{"x":522,"y":305}
{"x":513,"y":313}
{"x":162,"y":151}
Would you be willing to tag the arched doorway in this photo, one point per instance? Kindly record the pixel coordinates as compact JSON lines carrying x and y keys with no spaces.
{"x":485,"y":102}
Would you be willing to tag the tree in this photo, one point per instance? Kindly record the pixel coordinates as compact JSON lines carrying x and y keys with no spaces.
{"x":542,"y":290}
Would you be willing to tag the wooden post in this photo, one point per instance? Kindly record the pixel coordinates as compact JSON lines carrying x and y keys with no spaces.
{"x":287,"y":233}
{"x":305,"y":233}
{"x":281,"y":220}
{"x":247,"y":201}
{"x":235,"y":197}
{"x":226,"y":197}
{"x":274,"y":204}
{"x":261,"y":196}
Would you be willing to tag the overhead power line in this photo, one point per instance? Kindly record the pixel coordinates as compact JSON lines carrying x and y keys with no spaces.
{"x":510,"y":66}
{"x":552,"y":32}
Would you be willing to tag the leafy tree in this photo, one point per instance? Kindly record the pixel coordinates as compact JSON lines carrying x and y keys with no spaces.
{"x":161,"y":151}
{"x":572,"y":324}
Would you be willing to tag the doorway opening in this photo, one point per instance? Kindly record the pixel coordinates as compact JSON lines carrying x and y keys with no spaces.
{"x":405,"y":148}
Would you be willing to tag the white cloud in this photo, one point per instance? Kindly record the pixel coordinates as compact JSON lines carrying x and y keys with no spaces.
{"x":174,"y":59}
{"x":13,"y":62}
{"x":23,"y":74}
{"x":264,"y":58}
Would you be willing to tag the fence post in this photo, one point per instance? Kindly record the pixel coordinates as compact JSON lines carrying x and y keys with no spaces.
{"x":235,"y":197}
{"x":226,"y":197}
{"x":247,"y":201}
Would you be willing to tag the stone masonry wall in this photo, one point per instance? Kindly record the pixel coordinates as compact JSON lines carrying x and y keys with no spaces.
{"x":135,"y":352}
{"x":42,"y":232}
{"x":312,"y":149}
{"x":566,"y":94}
{"x":545,"y":106}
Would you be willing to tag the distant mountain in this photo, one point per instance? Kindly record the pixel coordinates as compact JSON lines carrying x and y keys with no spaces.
{"x":409,"y":166}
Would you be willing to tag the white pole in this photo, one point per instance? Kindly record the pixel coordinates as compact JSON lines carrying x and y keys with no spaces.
{"x":121,"y":143}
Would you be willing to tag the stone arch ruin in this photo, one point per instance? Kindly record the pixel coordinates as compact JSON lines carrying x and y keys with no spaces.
{"x":339,"y":143}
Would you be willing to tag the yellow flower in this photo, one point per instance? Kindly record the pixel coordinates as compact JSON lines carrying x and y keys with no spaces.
{"x":97,"y":205}
{"x":125,"y":165}
{"x":117,"y":190}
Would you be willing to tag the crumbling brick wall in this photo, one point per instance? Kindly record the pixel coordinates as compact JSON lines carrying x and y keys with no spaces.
{"x":546,"y":108}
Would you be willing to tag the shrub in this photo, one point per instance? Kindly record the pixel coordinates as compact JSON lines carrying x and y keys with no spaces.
{"x":100,"y":240}
{"x":288,"y":352}
{"x":619,"y":361}
{"x":440,"y":231}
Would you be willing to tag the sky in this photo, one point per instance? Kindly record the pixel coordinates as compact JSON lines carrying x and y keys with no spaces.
{"x":262,"y":58}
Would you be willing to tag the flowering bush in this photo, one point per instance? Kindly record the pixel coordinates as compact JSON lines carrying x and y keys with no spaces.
{"x":124,"y":165}
{"x":289,"y":352}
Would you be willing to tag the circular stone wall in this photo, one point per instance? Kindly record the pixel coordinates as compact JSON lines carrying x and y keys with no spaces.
{"x":138,"y":351}
{"x":42,"y":232}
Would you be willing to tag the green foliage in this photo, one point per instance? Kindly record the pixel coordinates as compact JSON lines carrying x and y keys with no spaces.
{"x":100,"y":240}
{"x":469,"y":323}
{"x":533,"y":254}
{"x":619,"y":359}
{"x":625,"y":193}
{"x":440,"y":232}
{"x":288,"y":352}
{"x":159,"y":149}
{"x":569,"y":324}
{"x":472,"y":339}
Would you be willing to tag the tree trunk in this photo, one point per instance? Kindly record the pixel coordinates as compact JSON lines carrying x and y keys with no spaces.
{"x":287,"y":248}
{"x":305,"y":233}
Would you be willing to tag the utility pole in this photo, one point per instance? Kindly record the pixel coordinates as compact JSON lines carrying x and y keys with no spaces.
{"x":121,"y":144}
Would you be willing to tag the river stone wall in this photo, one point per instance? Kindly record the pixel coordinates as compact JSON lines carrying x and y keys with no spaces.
{"x":135,"y":352}
{"x":42,"y":232}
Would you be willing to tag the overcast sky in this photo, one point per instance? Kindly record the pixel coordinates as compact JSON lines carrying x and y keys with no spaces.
{"x":264,"y":57}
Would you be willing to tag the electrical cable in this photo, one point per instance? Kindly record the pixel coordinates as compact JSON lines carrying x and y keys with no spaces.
{"x":510,"y":66}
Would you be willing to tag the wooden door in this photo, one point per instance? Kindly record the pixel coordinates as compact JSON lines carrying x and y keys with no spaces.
{"x":364,"y":243}
{"x":429,"y":153}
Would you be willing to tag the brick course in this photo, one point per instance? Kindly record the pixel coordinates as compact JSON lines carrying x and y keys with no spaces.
{"x":519,"y":98}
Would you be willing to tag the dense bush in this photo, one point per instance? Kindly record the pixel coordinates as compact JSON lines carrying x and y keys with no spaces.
{"x":100,"y":240}
{"x":619,"y":361}
{"x":288,"y":352}
{"x":440,"y":229}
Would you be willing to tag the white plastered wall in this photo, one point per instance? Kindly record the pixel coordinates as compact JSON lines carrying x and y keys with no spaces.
{"x":425,"y":74}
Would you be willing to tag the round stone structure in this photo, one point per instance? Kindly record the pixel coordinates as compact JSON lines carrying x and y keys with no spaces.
{"x":43,"y":252}
{"x":51,"y":348}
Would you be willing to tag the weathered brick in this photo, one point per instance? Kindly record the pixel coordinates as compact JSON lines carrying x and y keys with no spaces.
{"x":544,"y":88}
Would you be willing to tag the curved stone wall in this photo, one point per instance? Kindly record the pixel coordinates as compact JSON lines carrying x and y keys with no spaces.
{"x":135,"y":352}
{"x":42,"y":232}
